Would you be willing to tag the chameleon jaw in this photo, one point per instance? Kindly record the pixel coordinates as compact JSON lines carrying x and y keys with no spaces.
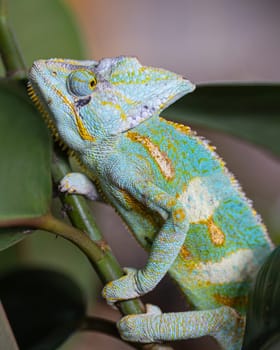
{"x":46,"y":116}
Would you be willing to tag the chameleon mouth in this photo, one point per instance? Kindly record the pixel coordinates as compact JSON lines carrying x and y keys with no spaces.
{"x":47,"y":117}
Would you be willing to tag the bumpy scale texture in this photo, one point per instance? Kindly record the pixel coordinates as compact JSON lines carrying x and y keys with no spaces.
{"x":168,"y":185}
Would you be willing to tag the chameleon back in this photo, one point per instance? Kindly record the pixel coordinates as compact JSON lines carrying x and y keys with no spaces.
{"x":226,"y":242}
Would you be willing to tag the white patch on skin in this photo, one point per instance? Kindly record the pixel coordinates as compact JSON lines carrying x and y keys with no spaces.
{"x":104,"y":65}
{"x":200,"y":204}
{"x":235,"y":267}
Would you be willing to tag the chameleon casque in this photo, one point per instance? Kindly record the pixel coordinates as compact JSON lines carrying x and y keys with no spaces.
{"x":168,"y":185}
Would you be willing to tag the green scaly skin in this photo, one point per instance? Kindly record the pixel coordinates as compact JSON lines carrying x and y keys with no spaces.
{"x":168,"y":185}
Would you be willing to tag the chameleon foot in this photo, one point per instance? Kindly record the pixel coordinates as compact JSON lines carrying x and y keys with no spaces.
{"x":136,"y":328}
{"x":122,"y":288}
{"x":78,"y":183}
{"x":222,"y":323}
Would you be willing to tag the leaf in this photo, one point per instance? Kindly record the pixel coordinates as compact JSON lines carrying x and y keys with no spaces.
{"x":10,"y":236}
{"x":44,"y":29}
{"x":25,"y":153}
{"x":251,"y":112}
{"x":44,"y":307}
{"x":263,"y":315}
{"x":25,"y":145}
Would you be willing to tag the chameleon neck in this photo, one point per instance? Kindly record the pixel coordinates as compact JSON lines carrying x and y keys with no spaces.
{"x":94,"y":156}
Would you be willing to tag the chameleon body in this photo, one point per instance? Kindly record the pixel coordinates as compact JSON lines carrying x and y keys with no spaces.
{"x":169,"y":186}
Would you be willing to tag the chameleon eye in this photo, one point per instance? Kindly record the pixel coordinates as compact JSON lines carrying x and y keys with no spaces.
{"x":81,"y":82}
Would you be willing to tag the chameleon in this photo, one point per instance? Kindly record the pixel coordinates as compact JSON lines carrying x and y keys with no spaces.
{"x":169,"y":186}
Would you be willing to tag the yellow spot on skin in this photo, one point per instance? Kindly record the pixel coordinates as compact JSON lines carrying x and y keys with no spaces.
{"x":185,"y":254}
{"x":179,"y":215}
{"x":186,"y":261}
{"x":171,"y":202}
{"x":216,"y":234}
{"x":139,"y":208}
{"x":235,"y":302}
{"x":62,"y":60}
{"x":212,"y":148}
{"x":161,"y":159}
{"x":67,"y":185}
{"x":222,"y":163}
{"x":184,"y":189}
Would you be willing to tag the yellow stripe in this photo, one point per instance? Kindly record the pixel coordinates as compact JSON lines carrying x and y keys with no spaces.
{"x":161,"y":159}
{"x":83,"y":132}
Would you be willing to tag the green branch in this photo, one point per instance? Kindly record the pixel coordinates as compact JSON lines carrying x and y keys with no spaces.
{"x":75,"y":206}
{"x":80,"y":215}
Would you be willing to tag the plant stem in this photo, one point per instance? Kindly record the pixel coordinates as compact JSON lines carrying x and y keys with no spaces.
{"x":107,"y":266}
{"x":60,"y":228}
{"x":10,"y":53}
{"x":75,"y":206}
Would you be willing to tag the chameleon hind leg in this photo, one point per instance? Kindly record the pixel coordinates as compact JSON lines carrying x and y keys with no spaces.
{"x":223,"y":323}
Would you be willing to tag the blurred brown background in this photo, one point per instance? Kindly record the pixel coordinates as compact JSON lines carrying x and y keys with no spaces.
{"x":206,"y":41}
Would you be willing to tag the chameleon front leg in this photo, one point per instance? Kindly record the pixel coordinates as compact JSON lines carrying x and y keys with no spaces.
{"x":165,"y":247}
{"x":223,"y":323}
{"x":78,"y":183}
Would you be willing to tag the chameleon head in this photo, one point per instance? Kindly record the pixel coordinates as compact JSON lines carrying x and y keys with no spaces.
{"x":89,"y":100}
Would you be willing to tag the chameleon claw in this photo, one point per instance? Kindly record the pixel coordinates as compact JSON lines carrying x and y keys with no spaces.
{"x":153,"y":309}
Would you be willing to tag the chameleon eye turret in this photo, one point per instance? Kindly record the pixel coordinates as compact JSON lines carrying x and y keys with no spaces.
{"x":81,"y":82}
